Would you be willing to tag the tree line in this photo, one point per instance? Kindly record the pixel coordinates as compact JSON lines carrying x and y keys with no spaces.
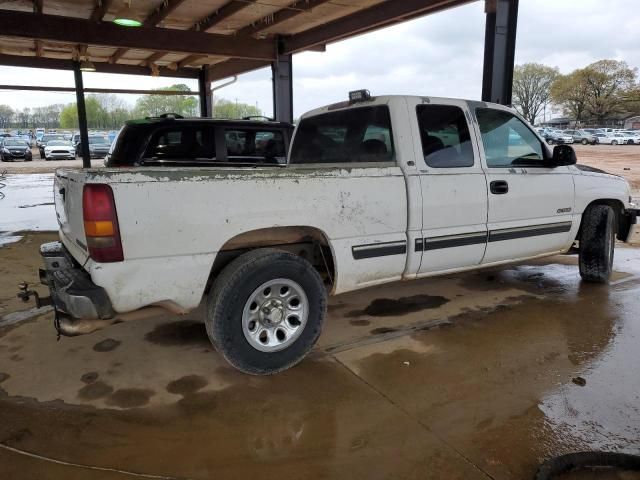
{"x":109,"y":111}
{"x":593,"y":94}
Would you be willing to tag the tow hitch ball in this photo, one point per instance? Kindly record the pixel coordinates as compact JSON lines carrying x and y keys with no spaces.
{"x":25,"y":295}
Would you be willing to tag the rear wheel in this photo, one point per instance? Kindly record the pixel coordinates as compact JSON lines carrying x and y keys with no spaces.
{"x":265,"y":311}
{"x":597,"y":243}
{"x":614,"y":142}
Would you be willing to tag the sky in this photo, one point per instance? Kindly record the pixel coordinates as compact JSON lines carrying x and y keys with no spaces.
{"x":437,"y":55}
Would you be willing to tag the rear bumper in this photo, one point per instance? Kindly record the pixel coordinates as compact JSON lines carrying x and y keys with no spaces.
{"x":72,"y":291}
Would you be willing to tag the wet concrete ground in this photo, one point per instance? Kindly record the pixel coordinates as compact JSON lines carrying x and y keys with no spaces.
{"x":481,"y":375}
{"x":26,"y":204}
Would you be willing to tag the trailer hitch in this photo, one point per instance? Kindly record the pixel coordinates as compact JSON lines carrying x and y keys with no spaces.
{"x":25,"y":295}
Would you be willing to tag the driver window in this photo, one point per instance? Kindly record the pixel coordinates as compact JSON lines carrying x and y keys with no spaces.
{"x":507,"y":141}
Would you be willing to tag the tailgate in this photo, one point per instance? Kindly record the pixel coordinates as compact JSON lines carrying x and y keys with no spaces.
{"x":67,"y":194}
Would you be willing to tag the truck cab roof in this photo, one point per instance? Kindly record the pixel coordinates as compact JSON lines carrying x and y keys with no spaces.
{"x":388,"y":99}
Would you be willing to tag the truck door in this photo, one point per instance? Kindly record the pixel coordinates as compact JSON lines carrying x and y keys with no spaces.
{"x":530,"y":203}
{"x":454,"y":189}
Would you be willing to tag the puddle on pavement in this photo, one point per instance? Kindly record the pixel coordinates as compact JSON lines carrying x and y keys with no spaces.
{"x":390,"y":307}
{"x":495,"y":380}
{"x":187,"y":385}
{"x":315,"y":421}
{"x":180,"y":333}
{"x":106,"y":345}
{"x":27,"y":206}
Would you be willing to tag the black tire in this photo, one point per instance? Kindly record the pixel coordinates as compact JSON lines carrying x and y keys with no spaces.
{"x":585,"y":141}
{"x":597,"y":243}
{"x":232,"y":289}
{"x":614,"y":142}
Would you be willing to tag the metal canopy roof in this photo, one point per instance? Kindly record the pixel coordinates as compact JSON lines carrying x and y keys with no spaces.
{"x":180,"y":37}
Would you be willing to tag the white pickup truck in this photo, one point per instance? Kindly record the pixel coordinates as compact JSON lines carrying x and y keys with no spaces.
{"x":375,"y":190}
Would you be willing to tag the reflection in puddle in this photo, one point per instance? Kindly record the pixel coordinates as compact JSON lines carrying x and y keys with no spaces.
{"x":27,"y":206}
{"x":604,"y":412}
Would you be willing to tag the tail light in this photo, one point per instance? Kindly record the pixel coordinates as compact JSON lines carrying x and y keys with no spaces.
{"x":101,"y":223}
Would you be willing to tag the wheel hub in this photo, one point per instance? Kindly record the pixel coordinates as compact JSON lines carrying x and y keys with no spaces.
{"x":271,"y":313}
{"x":275,"y":315}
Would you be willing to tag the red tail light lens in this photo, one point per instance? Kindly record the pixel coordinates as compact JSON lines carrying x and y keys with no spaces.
{"x":101,"y":224}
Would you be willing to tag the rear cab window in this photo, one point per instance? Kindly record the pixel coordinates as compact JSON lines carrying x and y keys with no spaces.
{"x":445,"y":137}
{"x":360,"y":134}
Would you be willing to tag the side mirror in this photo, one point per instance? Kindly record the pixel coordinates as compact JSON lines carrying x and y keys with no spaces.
{"x":563,"y":155}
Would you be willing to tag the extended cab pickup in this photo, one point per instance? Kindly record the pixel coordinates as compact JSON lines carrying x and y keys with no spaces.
{"x":376,"y":189}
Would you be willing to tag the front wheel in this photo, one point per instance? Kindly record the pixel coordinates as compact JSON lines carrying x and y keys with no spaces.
{"x":597,"y":243}
{"x":585,"y":141}
{"x":265,"y":311}
{"x":614,"y":142}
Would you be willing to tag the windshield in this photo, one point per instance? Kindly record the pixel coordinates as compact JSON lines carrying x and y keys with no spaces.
{"x":98,"y":140}
{"x":14,"y":142}
{"x":58,"y":143}
{"x":11,"y":142}
{"x":48,"y":138}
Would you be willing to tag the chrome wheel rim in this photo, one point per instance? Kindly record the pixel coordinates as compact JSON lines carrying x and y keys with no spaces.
{"x":275,"y":315}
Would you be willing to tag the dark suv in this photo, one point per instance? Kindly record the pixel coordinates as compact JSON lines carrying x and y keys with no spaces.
{"x":175,"y":141}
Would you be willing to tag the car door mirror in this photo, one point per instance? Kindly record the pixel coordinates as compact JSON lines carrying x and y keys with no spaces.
{"x":563,"y":155}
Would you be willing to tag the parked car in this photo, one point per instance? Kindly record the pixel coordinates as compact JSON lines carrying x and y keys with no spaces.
{"x":633,"y":136}
{"x":59,"y":150}
{"x":605,"y":139}
{"x":46,"y":139}
{"x":580,"y":136}
{"x":362,"y":201}
{"x":14,"y":148}
{"x":621,"y":139}
{"x":193,"y":141}
{"x":557,"y":137}
{"x":99,"y":146}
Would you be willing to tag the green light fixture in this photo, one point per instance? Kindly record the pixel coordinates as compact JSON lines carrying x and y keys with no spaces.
{"x":126,"y":17}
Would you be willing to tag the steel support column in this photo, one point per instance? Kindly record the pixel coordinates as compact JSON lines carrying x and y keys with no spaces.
{"x":282,"y":86}
{"x":206,"y":97}
{"x":82,"y":116}
{"x":499,"y":50}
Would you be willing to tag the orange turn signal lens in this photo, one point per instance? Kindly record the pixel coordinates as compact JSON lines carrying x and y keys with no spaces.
{"x":98,"y":228}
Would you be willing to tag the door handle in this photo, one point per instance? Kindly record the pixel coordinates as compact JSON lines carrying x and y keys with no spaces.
{"x":499,"y":187}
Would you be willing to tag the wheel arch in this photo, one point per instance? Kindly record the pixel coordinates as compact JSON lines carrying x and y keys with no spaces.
{"x":310,"y":243}
{"x":622,"y":222}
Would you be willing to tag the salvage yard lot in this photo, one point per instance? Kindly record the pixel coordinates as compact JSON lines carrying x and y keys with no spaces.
{"x":621,"y":160}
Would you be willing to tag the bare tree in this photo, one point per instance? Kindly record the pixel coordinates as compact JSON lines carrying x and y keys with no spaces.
{"x":532,"y":88}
